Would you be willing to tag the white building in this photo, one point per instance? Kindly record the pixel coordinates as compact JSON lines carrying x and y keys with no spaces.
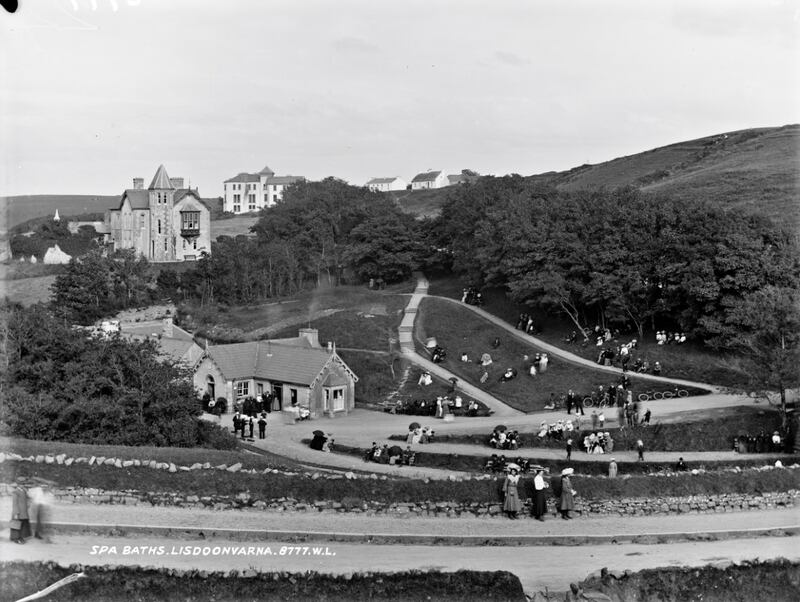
{"x":429,"y":179}
{"x":247,"y":192}
{"x":386,"y":184}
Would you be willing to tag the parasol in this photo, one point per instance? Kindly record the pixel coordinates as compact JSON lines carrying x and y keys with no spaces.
{"x":395,"y":450}
{"x":431,"y":343}
{"x":512,"y":465}
{"x":318,"y":434}
{"x":413,"y":426}
{"x":501,"y":427}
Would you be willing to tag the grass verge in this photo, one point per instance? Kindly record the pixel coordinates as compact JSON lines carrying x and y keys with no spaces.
{"x":103,"y":583}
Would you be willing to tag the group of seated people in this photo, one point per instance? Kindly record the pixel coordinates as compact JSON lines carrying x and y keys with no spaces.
{"x":556,"y":430}
{"x":598,"y":443}
{"x":763,"y":443}
{"x":390,"y":455}
{"x":423,"y":434}
{"x":501,"y":439}
{"x":669,"y":338}
{"x":472,"y":296}
{"x":497,"y":463}
{"x":438,"y":354}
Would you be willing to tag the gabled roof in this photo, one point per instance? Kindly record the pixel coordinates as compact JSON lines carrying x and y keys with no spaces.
{"x":269,"y":360}
{"x":382,"y":180}
{"x":139,"y":199}
{"x":161,"y":180}
{"x":266,"y":171}
{"x":285,"y":179}
{"x":428,"y":176}
{"x":244,"y":177}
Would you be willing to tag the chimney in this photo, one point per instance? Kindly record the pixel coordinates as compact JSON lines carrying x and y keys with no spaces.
{"x":176,"y":182}
{"x":311,"y":335}
{"x":167,"y":330}
{"x":138,"y":183}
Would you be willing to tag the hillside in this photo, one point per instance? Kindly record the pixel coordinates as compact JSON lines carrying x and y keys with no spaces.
{"x":15,"y":210}
{"x":755,"y":169}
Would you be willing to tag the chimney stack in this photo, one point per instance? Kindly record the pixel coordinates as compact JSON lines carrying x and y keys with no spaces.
{"x":138,"y":183}
{"x":311,"y":335}
{"x":176,"y":183}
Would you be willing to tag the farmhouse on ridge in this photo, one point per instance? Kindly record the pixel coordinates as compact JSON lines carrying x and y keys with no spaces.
{"x":295,"y":371}
{"x":386,"y":184}
{"x":166,"y":222}
{"x":429,"y":179}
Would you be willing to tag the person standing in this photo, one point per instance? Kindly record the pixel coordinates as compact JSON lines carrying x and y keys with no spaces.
{"x":511,"y":503}
{"x":569,"y":449}
{"x":40,"y":511}
{"x":262,"y":426}
{"x":250,"y":423}
{"x":594,"y":420}
{"x":566,"y":501}
{"x":640,"y":449}
{"x":612,"y":469}
{"x":570,"y":400}
{"x":20,"y":520}
{"x":579,"y":405}
{"x":647,"y":417}
{"x":539,"y":500}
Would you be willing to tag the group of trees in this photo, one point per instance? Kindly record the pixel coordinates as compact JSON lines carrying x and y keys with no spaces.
{"x":319,"y":232}
{"x":58,"y":383}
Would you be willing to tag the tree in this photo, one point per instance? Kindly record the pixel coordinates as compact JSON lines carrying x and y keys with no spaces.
{"x":82,"y":293}
{"x":384,"y":246}
{"x":769,"y":339}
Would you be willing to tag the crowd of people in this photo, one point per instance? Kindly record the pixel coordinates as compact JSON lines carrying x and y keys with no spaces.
{"x":561,"y":487}
{"x":472,"y":296}
{"x":503,"y":439}
{"x":244,"y":425}
{"x":497,"y":464}
{"x":439,"y":407}
{"x":763,"y":443}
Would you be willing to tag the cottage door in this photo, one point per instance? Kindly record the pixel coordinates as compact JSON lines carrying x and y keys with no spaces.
{"x":277,"y":400}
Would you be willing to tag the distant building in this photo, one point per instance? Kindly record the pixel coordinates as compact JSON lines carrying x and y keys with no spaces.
{"x":174,"y":343}
{"x":295,"y":371}
{"x":429,"y":179}
{"x":386,"y":184}
{"x":248,"y":192}
{"x":54,"y":255}
{"x":461,"y":178}
{"x":166,"y":222}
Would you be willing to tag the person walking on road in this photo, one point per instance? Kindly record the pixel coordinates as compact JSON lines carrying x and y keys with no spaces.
{"x":612,"y":469}
{"x":640,"y":449}
{"x":569,"y":449}
{"x":20,"y":520}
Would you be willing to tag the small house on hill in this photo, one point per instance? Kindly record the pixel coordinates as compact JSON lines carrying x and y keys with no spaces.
{"x":429,"y":179}
{"x":174,"y":342}
{"x":54,"y":255}
{"x":295,"y":371}
{"x":386,"y":184}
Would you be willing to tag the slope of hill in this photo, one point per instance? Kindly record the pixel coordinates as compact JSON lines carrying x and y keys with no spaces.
{"x":15,"y":210}
{"x":757,"y":169}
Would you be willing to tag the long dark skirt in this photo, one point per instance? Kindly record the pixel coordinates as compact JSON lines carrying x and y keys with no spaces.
{"x":24,"y":532}
{"x":539,"y":503}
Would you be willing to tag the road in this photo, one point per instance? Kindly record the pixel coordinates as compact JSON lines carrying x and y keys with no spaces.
{"x":537,"y":567}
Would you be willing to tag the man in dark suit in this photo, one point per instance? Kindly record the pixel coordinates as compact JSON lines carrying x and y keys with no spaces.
{"x":262,"y":426}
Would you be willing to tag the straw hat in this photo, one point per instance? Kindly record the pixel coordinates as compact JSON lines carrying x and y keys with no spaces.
{"x":567,"y":471}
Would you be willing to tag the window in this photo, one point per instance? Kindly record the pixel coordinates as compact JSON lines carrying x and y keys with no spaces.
{"x":242,"y":389}
{"x":159,"y":226}
{"x":141,"y":221}
{"x":194,"y":244}
{"x":237,"y":198}
{"x":165,"y":244}
{"x":190,"y":220}
{"x":237,"y":208}
{"x":266,"y":198}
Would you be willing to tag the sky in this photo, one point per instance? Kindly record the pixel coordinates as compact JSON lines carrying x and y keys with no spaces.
{"x":94,"y":93}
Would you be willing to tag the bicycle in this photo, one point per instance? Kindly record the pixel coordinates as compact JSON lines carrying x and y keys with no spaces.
{"x":668,"y":394}
{"x":588,"y":402}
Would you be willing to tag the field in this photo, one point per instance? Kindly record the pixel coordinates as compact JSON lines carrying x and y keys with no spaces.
{"x":232,"y":226}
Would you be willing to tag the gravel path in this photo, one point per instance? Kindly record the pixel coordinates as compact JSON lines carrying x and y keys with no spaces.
{"x":333,"y":522}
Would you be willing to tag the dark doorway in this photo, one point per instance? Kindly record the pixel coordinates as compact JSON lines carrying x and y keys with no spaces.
{"x":277,"y":399}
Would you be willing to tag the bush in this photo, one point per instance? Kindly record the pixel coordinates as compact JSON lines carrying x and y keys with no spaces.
{"x":215,"y":436}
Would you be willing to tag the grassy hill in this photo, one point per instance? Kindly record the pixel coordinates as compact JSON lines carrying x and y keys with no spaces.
{"x":15,"y":210}
{"x":754,"y":169}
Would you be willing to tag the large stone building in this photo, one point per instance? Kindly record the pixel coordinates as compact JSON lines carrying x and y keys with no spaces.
{"x":165,"y":222}
{"x":247,"y":192}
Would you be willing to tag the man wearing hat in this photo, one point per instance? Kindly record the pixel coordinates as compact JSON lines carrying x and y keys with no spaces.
{"x":20,"y":520}
{"x":566,"y":502}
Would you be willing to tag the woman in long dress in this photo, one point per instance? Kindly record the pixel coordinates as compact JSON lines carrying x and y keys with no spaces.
{"x":566,"y":501}
{"x":539,"y":501}
{"x":512,"y":504}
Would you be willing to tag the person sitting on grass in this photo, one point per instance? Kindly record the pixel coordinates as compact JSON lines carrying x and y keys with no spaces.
{"x":491,"y":462}
{"x":472,"y":409}
{"x":327,"y":446}
{"x":371,"y":452}
{"x":409,"y":457}
{"x":681,"y":466}
{"x":508,"y":375}
{"x":464,"y":357}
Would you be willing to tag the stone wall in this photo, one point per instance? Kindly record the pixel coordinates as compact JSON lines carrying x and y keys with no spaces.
{"x":631,"y":507}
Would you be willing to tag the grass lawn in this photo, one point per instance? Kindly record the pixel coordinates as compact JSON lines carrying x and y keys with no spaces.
{"x":375,"y":381}
{"x":368,"y":316}
{"x":690,"y":361}
{"x":459,"y":330}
